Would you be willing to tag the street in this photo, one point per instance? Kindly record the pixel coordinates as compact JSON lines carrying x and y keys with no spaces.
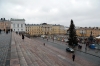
{"x":84,"y":56}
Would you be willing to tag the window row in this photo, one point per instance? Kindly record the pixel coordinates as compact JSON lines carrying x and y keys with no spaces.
{"x":18,"y":25}
{"x":17,"y":29}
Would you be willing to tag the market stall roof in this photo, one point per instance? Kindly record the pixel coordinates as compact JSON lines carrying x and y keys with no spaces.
{"x":98,"y":37}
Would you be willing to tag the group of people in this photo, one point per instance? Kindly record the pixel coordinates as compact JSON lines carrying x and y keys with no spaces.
{"x":21,"y":35}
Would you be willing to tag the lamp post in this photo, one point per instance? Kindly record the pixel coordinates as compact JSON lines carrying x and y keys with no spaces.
{"x":91,"y":38}
{"x":82,"y":32}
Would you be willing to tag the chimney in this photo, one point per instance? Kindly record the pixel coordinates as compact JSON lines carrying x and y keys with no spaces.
{"x":4,"y":19}
{"x":1,"y":18}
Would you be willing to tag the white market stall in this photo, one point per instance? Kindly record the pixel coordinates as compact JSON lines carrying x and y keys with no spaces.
{"x":98,"y":42}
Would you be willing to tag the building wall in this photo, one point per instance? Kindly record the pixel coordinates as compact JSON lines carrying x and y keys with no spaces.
{"x":87,"y":31}
{"x":58,"y":29}
{"x":18,"y":25}
{"x":44,"y":29}
{"x":5,"y":24}
{"x":33,"y":30}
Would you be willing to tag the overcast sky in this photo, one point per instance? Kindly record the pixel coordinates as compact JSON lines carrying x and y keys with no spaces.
{"x":85,"y":13}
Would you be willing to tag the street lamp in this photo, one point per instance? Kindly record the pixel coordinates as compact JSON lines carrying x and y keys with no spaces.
{"x":82,"y":32}
{"x":91,"y":37}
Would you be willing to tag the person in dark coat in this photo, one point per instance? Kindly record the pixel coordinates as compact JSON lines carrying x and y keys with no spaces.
{"x":73,"y":57}
{"x":22,"y":36}
{"x":47,"y":39}
{"x":0,"y":30}
{"x":44,"y":44}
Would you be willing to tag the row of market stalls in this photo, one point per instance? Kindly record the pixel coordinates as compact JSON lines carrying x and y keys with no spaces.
{"x":96,"y":45}
{"x":98,"y":39}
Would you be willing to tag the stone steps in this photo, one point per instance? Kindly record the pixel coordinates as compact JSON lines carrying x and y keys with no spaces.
{"x":32,"y":52}
{"x":43,"y":54}
{"x":14,"y":61}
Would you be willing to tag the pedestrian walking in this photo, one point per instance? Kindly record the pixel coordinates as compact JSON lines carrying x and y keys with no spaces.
{"x":85,"y":48}
{"x":22,"y":36}
{"x":44,"y":44}
{"x":0,"y":31}
{"x":73,"y":57}
{"x":47,"y":39}
{"x":53,"y":39}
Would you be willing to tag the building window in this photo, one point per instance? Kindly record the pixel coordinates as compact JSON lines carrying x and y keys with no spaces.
{"x":21,"y":29}
{"x":13,"y":25}
{"x":21,"y":25}
{"x":14,"y":29}
{"x":17,"y":25}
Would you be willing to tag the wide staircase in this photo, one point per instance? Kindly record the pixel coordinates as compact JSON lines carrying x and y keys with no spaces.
{"x":31,"y":52}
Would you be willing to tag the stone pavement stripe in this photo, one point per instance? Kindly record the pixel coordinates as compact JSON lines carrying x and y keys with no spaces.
{"x":41,"y":56}
{"x":45,"y":56}
{"x":26,"y":57}
{"x":27,"y":51}
{"x":40,"y":62}
{"x":52,"y":52}
{"x":53,"y":57}
{"x":35,"y":63}
{"x":37,"y":59}
{"x":14,"y":61}
{"x":21,"y":59}
{"x":71,"y":55}
{"x":46,"y":49}
{"x":36,"y":51}
{"x":77,"y":61}
{"x":33,"y":59}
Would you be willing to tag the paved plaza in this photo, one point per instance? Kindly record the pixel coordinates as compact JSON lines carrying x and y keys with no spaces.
{"x":5,"y":41}
{"x":32,"y":52}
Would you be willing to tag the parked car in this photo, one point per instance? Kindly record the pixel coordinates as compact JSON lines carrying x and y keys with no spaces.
{"x":43,"y":36}
{"x":66,"y":40}
{"x":69,"y":49}
{"x":55,"y":38}
{"x":92,"y":46}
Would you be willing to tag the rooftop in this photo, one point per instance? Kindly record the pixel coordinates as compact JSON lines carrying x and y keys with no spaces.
{"x":13,"y":19}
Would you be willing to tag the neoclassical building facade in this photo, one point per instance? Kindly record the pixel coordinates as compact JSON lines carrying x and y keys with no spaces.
{"x":45,"y":29}
{"x":18,"y":25}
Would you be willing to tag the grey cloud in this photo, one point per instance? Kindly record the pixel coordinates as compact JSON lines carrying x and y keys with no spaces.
{"x":83,"y":12}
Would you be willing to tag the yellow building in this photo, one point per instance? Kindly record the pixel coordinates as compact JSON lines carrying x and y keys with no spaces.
{"x":5,"y":24}
{"x":86,"y":31}
{"x":58,"y":29}
{"x":44,"y":29}
{"x":32,"y":29}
